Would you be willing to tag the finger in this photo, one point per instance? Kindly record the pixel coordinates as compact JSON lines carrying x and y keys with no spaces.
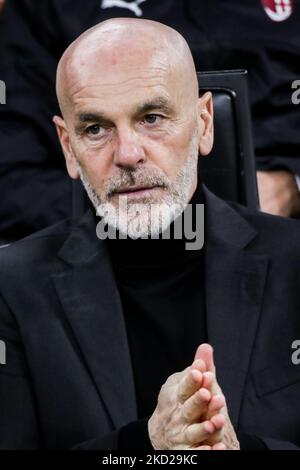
{"x":216,"y":404}
{"x":202,"y":448}
{"x":199,"y":432}
{"x":195,"y":406}
{"x":218,"y":421}
{"x":199,"y":364}
{"x":219,"y":446}
{"x":208,"y":378}
{"x":216,"y":437}
{"x":189,"y":384}
{"x":205,"y":352}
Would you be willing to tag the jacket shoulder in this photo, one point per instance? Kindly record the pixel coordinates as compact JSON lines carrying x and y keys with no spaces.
{"x":36,"y":248}
{"x":275,"y":233}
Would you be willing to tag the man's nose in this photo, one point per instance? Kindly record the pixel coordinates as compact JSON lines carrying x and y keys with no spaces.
{"x":128,"y":149}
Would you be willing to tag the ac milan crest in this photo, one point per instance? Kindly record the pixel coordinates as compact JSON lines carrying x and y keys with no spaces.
{"x":278,"y":10}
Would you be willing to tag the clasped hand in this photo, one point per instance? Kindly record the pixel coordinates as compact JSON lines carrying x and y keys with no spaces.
{"x":191,"y":411}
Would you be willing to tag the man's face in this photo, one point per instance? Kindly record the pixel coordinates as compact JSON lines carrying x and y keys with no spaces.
{"x":131,"y":130}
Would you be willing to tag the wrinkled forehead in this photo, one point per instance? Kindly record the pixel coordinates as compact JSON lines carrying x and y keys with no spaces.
{"x":119,"y":77}
{"x":120,"y":60}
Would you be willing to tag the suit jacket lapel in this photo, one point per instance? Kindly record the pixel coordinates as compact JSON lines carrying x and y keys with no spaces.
{"x":89,"y":296}
{"x":235,"y":281}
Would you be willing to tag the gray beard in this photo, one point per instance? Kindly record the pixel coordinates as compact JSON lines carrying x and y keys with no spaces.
{"x":148,"y":218}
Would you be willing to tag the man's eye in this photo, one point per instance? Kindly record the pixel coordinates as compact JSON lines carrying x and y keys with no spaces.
{"x":94,"y":130}
{"x":152,"y":118}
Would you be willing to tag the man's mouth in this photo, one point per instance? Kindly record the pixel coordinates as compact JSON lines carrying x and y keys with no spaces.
{"x":132,"y":191}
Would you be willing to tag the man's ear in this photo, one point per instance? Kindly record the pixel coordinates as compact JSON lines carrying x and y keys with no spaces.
{"x":63,"y":135}
{"x":206,"y":123}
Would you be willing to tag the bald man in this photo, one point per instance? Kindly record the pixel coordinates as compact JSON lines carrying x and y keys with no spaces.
{"x":155,"y":74}
{"x":120,"y":334}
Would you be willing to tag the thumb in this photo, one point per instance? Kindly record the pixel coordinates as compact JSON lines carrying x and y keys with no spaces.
{"x":205,"y":352}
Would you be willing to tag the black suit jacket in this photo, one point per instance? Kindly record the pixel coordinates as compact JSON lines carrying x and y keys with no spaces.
{"x":68,"y":376}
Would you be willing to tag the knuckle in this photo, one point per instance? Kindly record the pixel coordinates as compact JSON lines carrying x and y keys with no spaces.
{"x":191,"y":436}
{"x":198,"y":399}
{"x":187,"y":413}
{"x":182,"y":393}
{"x":181,"y":397}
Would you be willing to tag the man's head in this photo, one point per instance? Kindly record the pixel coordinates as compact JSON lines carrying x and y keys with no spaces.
{"x":132,"y":119}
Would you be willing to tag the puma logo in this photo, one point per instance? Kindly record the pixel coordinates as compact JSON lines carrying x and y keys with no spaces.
{"x":132,"y":6}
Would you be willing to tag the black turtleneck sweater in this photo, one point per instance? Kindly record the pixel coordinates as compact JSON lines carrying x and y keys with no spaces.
{"x":161,"y":285}
{"x":162,"y":293}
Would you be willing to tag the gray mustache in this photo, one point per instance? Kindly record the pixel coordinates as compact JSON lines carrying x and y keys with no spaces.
{"x":134,"y":179}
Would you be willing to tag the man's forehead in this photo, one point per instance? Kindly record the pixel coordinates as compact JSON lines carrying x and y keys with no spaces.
{"x":132,"y":89}
{"x":113,"y":68}
{"x":130,"y":67}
